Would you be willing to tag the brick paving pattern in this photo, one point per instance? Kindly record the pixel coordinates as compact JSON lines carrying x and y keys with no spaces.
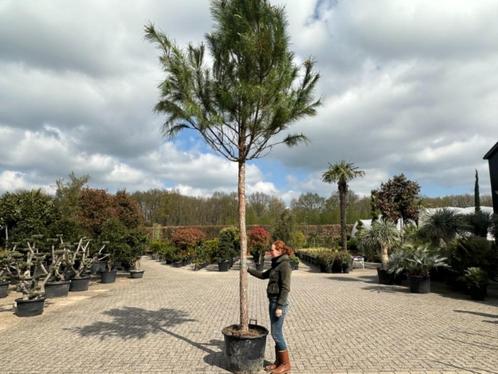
{"x":170,"y":322}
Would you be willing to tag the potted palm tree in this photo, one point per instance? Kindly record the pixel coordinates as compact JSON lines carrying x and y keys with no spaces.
{"x":385,"y":236}
{"x":418,"y":262}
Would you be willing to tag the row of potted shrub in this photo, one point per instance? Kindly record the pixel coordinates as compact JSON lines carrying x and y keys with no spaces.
{"x":327,"y":259}
{"x":52,"y":270}
{"x":414,"y":264}
{"x":189,"y":246}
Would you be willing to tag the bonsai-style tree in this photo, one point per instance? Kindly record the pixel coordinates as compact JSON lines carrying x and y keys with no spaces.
{"x":249,"y":95}
{"x":341,"y":173}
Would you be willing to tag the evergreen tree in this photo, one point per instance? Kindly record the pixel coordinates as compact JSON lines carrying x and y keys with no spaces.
{"x":249,"y":94}
{"x":477,"y":198}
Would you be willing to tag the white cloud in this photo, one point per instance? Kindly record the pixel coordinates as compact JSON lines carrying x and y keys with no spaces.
{"x":406,"y":86}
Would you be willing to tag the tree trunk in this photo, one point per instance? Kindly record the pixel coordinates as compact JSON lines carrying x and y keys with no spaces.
{"x":244,"y":316}
{"x":384,"y":256}
{"x":342,"y":204}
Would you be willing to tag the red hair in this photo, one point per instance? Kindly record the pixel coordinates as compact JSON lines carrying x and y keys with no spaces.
{"x":282,"y":247}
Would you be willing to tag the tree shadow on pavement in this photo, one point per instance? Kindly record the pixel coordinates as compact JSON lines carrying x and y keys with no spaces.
{"x":387,"y":289}
{"x":487,"y":315}
{"x":137,"y":323}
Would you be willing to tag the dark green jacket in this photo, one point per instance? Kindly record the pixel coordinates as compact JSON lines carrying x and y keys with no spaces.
{"x":279,"y":275}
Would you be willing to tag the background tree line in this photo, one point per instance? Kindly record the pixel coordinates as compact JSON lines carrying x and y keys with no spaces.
{"x":170,"y":208}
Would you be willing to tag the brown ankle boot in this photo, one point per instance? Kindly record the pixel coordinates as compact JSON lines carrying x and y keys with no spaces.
{"x":270,"y":367}
{"x":285,"y":366}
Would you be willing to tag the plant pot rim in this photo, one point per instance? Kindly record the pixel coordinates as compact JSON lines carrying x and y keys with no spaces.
{"x":419,"y":276}
{"x":136,"y":271}
{"x":263,"y":332}
{"x":82,"y":277}
{"x":58,"y":282}
{"x":38,"y":299}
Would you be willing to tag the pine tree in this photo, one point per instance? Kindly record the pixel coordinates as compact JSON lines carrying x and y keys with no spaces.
{"x":249,"y":95}
{"x":477,"y":197}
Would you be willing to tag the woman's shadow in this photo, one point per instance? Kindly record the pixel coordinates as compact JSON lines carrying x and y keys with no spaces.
{"x":137,"y":323}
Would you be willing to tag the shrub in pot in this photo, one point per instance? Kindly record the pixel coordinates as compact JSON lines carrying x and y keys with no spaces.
{"x":345,"y":260}
{"x":186,"y":240}
{"x":326,"y":260}
{"x":5,"y":262}
{"x":56,"y":285}
{"x":258,"y":242}
{"x":33,"y":300}
{"x":418,"y":262}
{"x":477,"y":281}
{"x":228,"y":247}
{"x":294,"y":262}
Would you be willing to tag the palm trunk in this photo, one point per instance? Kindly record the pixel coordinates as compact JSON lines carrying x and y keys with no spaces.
{"x":342,"y":204}
{"x":244,"y":315}
{"x":384,"y":255}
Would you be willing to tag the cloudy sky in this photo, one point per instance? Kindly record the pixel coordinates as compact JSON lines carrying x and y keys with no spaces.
{"x":408,"y":86}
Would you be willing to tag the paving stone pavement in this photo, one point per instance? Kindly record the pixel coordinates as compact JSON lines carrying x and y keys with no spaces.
{"x":170,"y":322}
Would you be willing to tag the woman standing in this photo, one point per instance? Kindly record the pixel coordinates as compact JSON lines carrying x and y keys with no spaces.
{"x":278,"y":289}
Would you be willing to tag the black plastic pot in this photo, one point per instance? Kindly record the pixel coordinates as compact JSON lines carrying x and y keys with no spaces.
{"x":478,"y":293}
{"x":384,"y":276}
{"x":136,"y":274}
{"x":4,"y":289}
{"x":98,"y":267}
{"x":57,"y":289}
{"x":294,"y":266}
{"x":345,"y":268}
{"x":79,"y":284}
{"x":224,"y":265}
{"x":28,"y":308}
{"x":336,"y":267}
{"x":419,"y":284}
{"x":108,"y":276}
{"x":245,"y":354}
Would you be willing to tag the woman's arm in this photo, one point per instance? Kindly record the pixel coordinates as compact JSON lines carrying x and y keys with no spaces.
{"x":259,"y":274}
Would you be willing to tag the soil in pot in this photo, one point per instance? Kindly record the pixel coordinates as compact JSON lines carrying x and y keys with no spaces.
{"x":29,"y":308}
{"x":136,"y":274}
{"x":108,"y":276}
{"x":4,"y":289}
{"x":419,"y":284}
{"x":245,"y":354}
{"x":79,"y":284}
{"x":57,"y":289}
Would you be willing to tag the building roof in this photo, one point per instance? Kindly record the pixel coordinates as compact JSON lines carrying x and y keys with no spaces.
{"x":491,"y":152}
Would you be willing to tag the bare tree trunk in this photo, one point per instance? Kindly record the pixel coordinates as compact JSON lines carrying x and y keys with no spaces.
{"x":342,"y":203}
{"x":384,"y":256}
{"x":244,"y":315}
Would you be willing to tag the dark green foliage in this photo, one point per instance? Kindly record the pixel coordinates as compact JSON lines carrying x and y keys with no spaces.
{"x":27,"y":213}
{"x":398,"y":198}
{"x":125,"y":245}
{"x":284,"y":227}
{"x":442,"y":225}
{"x":472,"y":252}
{"x":228,"y":244}
{"x":478,"y":223}
{"x":477,"y":197}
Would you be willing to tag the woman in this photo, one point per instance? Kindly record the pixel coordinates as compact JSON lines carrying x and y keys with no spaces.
{"x":278,"y":289}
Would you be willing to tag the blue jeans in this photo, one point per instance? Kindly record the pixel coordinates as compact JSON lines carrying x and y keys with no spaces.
{"x":277,"y":324}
